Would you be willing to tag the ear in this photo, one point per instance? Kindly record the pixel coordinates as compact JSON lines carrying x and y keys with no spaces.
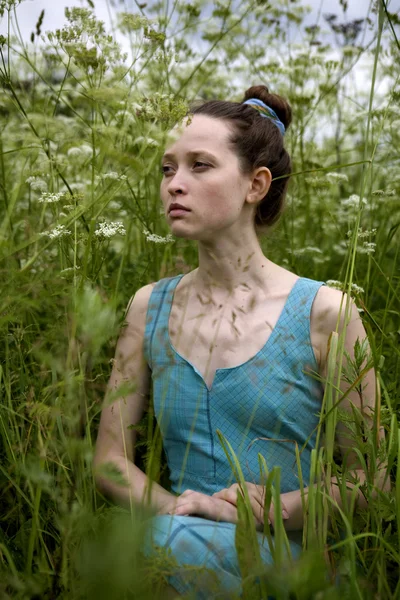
{"x":259,"y":185}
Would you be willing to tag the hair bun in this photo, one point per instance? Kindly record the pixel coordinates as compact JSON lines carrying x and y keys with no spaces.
{"x":277,"y":103}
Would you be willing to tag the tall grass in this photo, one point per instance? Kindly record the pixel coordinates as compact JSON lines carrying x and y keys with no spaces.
{"x":81,"y":136}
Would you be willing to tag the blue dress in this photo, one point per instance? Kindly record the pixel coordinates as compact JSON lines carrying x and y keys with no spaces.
{"x":271,"y":395}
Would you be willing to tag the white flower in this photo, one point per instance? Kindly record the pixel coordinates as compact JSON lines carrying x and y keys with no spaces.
{"x":50,"y":198}
{"x":367,"y":248}
{"x":37,"y":183}
{"x":74,"y":152}
{"x":58,"y":232}
{"x":86,"y":150}
{"x":353,"y":201}
{"x":336,"y":177}
{"x":157,"y":239}
{"x":357,"y":289}
{"x":340,"y":248}
{"x":69,"y":269}
{"x":339,"y":285}
{"x":307,"y":250}
{"x":335,"y":284}
{"x":113,"y":176}
{"x":108,"y":230}
{"x":362,"y":234}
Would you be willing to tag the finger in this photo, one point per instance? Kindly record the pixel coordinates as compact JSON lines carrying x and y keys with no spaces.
{"x":285,"y":512}
{"x":229,"y":495}
{"x":187,"y":493}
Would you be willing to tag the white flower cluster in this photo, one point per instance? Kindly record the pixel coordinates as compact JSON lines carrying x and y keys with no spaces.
{"x":58,"y":232}
{"x":125,"y":115}
{"x":84,"y":151}
{"x":367,"y":248}
{"x":113,"y":176}
{"x":339,"y":285}
{"x":336,"y":177}
{"x":148,"y":141}
{"x":307,"y":250}
{"x":108,"y":230}
{"x":353,"y":201}
{"x":157,"y":239}
{"x":37,"y":183}
{"x":50,"y":198}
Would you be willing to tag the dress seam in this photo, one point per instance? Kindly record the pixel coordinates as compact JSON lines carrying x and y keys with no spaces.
{"x":211,"y":432}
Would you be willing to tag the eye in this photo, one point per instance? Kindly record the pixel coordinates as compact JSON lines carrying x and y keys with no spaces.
{"x":166,"y":170}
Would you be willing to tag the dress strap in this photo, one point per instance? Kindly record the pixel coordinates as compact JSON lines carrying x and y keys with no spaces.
{"x":301,"y":299}
{"x":158,"y":312}
{"x":294,"y":325}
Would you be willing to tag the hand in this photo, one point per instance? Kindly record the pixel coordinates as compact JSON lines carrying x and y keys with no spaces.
{"x":257,"y":500}
{"x":209,"y":507}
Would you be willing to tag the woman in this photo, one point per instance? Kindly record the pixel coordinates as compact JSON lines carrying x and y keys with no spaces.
{"x":229,"y":346}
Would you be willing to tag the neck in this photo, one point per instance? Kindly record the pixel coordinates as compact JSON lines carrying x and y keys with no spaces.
{"x":229,"y":262}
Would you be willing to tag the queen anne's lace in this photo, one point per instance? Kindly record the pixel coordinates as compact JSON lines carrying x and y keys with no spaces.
{"x":108,"y":230}
{"x":58,"y":232}
{"x":157,"y":239}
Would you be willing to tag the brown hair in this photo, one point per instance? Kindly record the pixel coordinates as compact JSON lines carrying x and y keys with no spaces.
{"x":258,"y":143}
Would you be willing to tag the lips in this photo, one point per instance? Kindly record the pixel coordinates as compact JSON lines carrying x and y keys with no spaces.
{"x":175,"y":206}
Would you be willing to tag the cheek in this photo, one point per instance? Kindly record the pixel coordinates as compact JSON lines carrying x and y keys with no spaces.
{"x":223,"y":197}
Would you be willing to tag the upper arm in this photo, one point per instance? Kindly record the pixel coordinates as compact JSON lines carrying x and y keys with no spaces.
{"x":130,"y":371}
{"x":329,"y":315}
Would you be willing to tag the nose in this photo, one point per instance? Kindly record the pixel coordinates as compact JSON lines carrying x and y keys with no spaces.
{"x":176,"y":185}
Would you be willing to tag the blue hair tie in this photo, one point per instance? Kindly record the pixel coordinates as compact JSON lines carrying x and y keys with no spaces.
{"x":267,"y":112}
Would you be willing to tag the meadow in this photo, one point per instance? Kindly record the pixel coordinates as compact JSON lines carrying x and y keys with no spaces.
{"x":82,"y":128}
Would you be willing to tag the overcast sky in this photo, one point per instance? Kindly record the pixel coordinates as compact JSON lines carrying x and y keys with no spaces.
{"x":29,"y":10}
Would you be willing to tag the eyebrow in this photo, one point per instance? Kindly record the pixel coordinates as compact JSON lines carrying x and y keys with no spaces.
{"x":190,"y":153}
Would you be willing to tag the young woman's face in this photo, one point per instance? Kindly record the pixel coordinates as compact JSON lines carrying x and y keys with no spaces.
{"x":202,"y":174}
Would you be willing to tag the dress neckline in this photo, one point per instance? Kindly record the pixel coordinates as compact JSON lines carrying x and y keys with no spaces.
{"x":252,"y":358}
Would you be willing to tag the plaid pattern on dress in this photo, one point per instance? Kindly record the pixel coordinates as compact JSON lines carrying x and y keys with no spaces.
{"x":271,"y":396}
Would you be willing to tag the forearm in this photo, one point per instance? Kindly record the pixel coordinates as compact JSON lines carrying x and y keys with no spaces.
{"x":139,"y":489}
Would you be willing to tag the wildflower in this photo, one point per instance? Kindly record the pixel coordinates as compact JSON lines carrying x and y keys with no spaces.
{"x":362,"y":234}
{"x":357,"y":289}
{"x":157,"y":239}
{"x":307,"y":250}
{"x":58,"y":232}
{"x":108,"y":230}
{"x":74,"y":152}
{"x":340,"y":248}
{"x":339,"y":285}
{"x":70,"y":269}
{"x":37,"y":183}
{"x":148,"y":141}
{"x":50,"y":198}
{"x":335,"y":284}
{"x":336,"y":177}
{"x":367,"y":248}
{"x":353,"y":201}
{"x":113,"y":176}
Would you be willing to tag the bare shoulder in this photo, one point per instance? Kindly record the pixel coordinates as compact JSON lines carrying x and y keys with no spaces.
{"x":330,"y":312}
{"x":329,"y":309}
{"x":138,"y":304}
